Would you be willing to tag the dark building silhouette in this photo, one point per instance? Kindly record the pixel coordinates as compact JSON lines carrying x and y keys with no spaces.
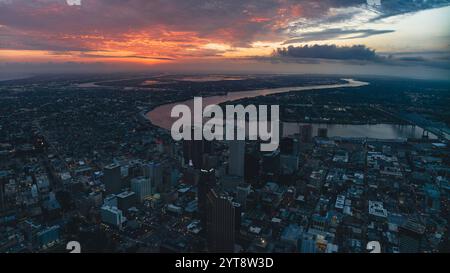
{"x":251,"y":168}
{"x":322,"y":132}
{"x":287,"y":146}
{"x":236,"y":158}
{"x":205,"y":183}
{"x":193,"y":151}
{"x":271,"y":162}
{"x":126,"y":200}
{"x":242,"y":192}
{"x":112,"y":179}
{"x":238,"y":209}
{"x":221,"y":226}
{"x":306,"y":133}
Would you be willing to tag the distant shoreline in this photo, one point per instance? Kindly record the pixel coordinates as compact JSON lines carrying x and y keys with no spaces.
{"x":12,"y":78}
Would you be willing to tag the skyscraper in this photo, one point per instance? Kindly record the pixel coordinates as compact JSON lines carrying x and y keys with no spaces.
{"x":154,"y":172}
{"x":112,"y":216}
{"x":242,"y":191}
{"x":112,"y":178}
{"x":271,"y":162}
{"x":206,"y":182}
{"x":322,"y":132}
{"x":193,"y":151}
{"x":306,"y":133}
{"x":287,"y":146}
{"x":221,"y":226}
{"x":236,"y":158}
{"x":142,"y":186}
{"x":252,"y":166}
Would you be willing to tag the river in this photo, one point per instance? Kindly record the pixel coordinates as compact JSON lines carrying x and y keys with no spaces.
{"x":160,"y":116}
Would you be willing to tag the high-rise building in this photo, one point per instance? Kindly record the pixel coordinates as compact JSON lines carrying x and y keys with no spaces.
{"x":411,"y":234}
{"x":271,"y":162}
{"x":112,"y":178}
{"x":157,"y":176}
{"x":110,"y":200}
{"x":142,"y":186}
{"x":306,"y":133}
{"x":252,"y":166}
{"x":112,"y":216}
{"x":236,"y":158}
{"x":322,"y":132}
{"x":193,"y":151}
{"x":154,"y":172}
{"x":147,"y":170}
{"x":126,"y":200}
{"x":205,"y":183}
{"x":238,"y":209}
{"x":287,"y":146}
{"x":221,"y":226}
{"x":242,"y":191}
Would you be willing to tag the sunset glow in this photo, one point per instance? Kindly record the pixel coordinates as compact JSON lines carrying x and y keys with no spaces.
{"x":174,"y":32}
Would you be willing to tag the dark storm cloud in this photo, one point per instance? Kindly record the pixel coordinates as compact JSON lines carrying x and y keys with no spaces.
{"x":356,"y":52}
{"x":336,"y":33}
{"x":356,"y":55}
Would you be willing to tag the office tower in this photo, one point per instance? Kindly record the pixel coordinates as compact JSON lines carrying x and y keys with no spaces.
{"x":287,"y":146}
{"x":157,"y":176}
{"x":236,"y":157}
{"x":271,"y":162}
{"x":126,"y":200}
{"x":238,"y":209}
{"x":112,"y":216}
{"x":110,"y":200}
{"x":147,"y":170}
{"x":306,"y":133}
{"x":207,"y":147}
{"x":322,"y":132}
{"x":242,"y":191}
{"x":205,"y":183}
{"x":154,"y":172}
{"x":191,"y":176}
{"x":135,"y":169}
{"x":112,"y":178}
{"x":410,"y":236}
{"x":296,"y":146}
{"x":251,"y":168}
{"x":220,"y":223}
{"x":193,"y":151}
{"x":432,"y":197}
{"x":142,"y":186}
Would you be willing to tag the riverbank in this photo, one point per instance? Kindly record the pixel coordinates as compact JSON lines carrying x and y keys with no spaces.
{"x":160,"y":115}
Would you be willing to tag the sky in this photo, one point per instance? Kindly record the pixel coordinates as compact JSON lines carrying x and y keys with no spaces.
{"x":396,"y":37}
